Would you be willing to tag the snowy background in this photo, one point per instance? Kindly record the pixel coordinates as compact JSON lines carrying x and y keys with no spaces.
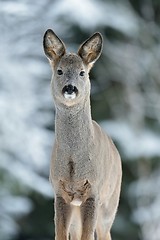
{"x":125,"y":101}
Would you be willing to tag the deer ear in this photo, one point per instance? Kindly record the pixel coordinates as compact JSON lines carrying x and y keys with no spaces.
{"x":91,"y":49}
{"x":54,"y":48}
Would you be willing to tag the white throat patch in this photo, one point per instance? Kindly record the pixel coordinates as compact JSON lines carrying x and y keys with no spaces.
{"x":76,"y":202}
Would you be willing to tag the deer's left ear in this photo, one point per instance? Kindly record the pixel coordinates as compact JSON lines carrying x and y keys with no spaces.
{"x":91,"y":49}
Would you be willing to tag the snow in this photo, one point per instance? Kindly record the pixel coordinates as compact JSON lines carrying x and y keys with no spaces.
{"x":135,"y":143}
{"x":92,"y":13}
{"x":15,"y":8}
{"x":147,"y":214}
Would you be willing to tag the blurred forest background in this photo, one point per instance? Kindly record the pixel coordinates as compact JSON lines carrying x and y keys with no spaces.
{"x":125,"y":101}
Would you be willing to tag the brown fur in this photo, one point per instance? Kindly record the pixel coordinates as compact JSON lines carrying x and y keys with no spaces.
{"x":85,"y":167}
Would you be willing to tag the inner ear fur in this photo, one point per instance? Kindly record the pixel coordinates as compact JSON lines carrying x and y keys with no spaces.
{"x":53,"y":46}
{"x":91,"y":49}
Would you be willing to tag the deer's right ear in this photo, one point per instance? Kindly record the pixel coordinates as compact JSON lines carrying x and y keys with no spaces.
{"x":54,"y":48}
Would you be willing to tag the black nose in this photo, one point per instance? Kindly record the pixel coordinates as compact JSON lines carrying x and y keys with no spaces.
{"x":69,"y":89}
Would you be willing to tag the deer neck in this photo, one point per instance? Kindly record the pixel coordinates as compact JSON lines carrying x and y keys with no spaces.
{"x":73,"y":126}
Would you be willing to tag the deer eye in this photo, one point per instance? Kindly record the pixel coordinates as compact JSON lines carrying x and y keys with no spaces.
{"x":59,"y":72}
{"x":82,"y":73}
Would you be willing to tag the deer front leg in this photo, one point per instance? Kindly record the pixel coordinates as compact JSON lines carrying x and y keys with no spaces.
{"x":89,"y":217}
{"x":62,"y":218}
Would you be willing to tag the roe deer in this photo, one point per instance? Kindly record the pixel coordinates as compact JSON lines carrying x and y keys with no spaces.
{"x":85,"y":168}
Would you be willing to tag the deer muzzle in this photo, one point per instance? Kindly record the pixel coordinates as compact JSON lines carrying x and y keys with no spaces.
{"x":70,"y":92}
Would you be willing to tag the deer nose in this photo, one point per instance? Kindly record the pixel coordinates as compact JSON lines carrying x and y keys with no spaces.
{"x":69,"y":91}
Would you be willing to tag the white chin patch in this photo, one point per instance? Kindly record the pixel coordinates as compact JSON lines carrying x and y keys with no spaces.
{"x":70,"y":96}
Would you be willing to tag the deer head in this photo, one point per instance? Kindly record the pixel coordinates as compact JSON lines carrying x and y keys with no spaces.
{"x":70,"y":81}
